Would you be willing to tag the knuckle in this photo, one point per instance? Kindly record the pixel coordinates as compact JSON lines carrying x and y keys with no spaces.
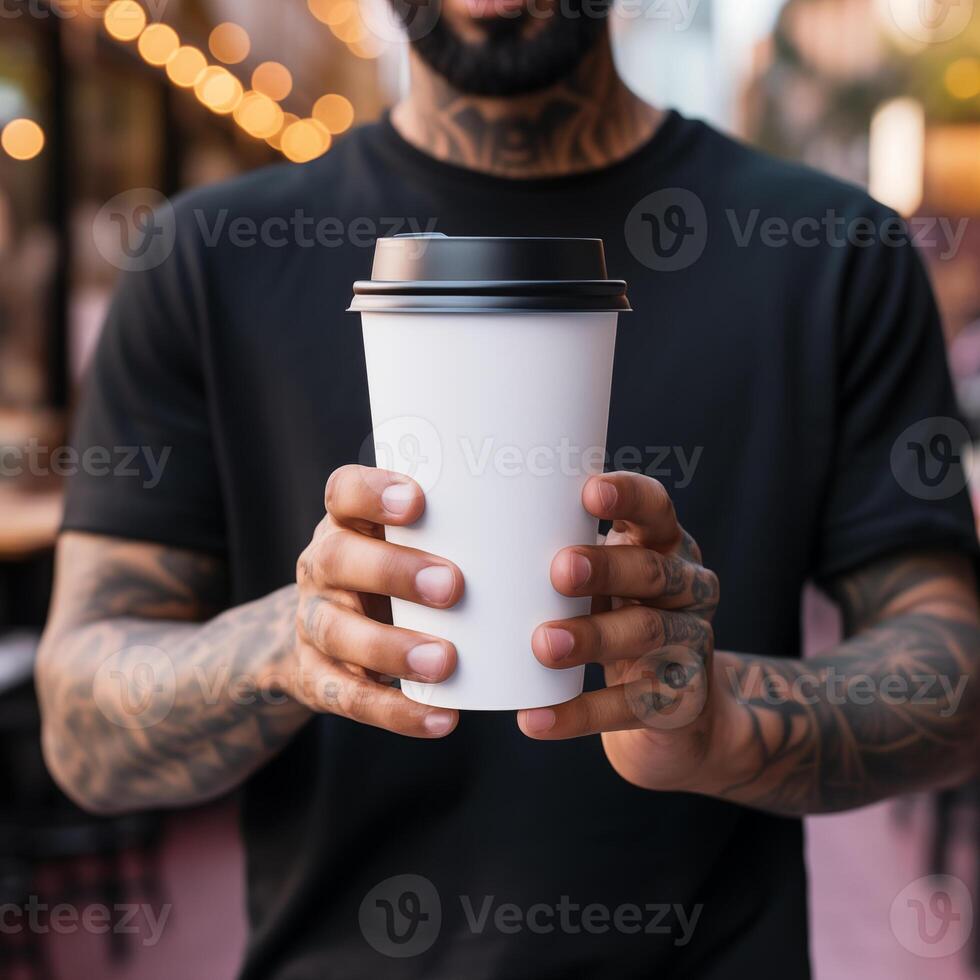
{"x":334,"y":483}
{"x":329,"y":555}
{"x":353,"y":699}
{"x":653,"y":571}
{"x":304,"y":568}
{"x":707,"y":589}
{"x":690,"y":549}
{"x":700,"y":636}
{"x":594,"y":638}
{"x":390,"y":568}
{"x":652,"y":632}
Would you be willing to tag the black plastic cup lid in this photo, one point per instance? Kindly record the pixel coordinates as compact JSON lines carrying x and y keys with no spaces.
{"x":438,"y":273}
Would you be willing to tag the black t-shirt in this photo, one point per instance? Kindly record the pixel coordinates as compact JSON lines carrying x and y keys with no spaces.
{"x":764,"y":384}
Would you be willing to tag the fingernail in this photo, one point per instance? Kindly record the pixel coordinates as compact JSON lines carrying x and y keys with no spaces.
{"x":435,"y":583}
{"x":608,"y":494}
{"x":438,"y":722}
{"x":579,"y":569}
{"x":537,"y":721}
{"x":427,"y":659}
{"x":398,"y":498}
{"x":560,"y":642}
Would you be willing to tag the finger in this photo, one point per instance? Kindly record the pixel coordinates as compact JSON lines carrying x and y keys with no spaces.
{"x":634,"y":572}
{"x":339,"y":632}
{"x":357,"y":494}
{"x":665,"y":691}
{"x":637,"y":505}
{"x":627,"y":633}
{"x":328,"y":687}
{"x":357,"y":563}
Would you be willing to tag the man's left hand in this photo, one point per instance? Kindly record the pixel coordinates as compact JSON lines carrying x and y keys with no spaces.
{"x":650,"y":628}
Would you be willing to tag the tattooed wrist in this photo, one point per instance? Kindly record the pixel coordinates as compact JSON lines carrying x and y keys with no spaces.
{"x":143,"y":704}
{"x":893,"y":709}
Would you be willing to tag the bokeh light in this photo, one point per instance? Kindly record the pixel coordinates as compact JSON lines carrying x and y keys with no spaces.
{"x":320,"y":9}
{"x":367,"y":46}
{"x":219,"y":90}
{"x":186,"y":66}
{"x":157,"y":44}
{"x":272,"y":79}
{"x":335,"y":112}
{"x":259,"y":115}
{"x":962,"y":78}
{"x":305,"y":140}
{"x":288,"y":118}
{"x":230,"y":43}
{"x":124,"y":20}
{"x":23,"y":139}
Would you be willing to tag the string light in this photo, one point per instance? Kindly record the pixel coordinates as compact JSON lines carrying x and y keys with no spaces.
{"x":259,"y":115}
{"x":23,"y":139}
{"x":230,"y":43}
{"x":124,"y":20}
{"x":345,"y":20}
{"x":157,"y":44}
{"x":185,"y":66}
{"x":304,"y":141}
{"x":256,"y":111}
{"x":335,"y":112}
{"x":219,"y":90}
{"x":272,"y":79}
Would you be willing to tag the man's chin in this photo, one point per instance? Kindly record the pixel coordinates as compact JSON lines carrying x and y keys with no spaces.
{"x":506,"y":48}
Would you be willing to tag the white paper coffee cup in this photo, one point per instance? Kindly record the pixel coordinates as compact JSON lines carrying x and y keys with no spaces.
{"x":492,"y":392}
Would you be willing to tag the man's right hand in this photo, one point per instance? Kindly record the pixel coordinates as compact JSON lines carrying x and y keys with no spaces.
{"x":347,"y":651}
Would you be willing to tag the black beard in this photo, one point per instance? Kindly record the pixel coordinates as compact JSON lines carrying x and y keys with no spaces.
{"x":506,"y":63}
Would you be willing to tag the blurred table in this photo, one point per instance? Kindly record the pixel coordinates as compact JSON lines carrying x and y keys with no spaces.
{"x":29,"y":521}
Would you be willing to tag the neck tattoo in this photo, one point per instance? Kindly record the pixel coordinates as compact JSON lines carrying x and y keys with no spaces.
{"x":586,"y":122}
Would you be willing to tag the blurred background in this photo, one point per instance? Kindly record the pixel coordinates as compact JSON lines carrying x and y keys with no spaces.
{"x":99,"y":98}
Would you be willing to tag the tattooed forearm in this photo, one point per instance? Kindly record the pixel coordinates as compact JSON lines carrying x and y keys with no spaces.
{"x":587,"y":122}
{"x":144,"y":704}
{"x":893,"y":709}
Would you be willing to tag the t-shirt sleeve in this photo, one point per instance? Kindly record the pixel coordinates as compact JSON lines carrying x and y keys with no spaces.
{"x":144,"y":408}
{"x":898,"y":476}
